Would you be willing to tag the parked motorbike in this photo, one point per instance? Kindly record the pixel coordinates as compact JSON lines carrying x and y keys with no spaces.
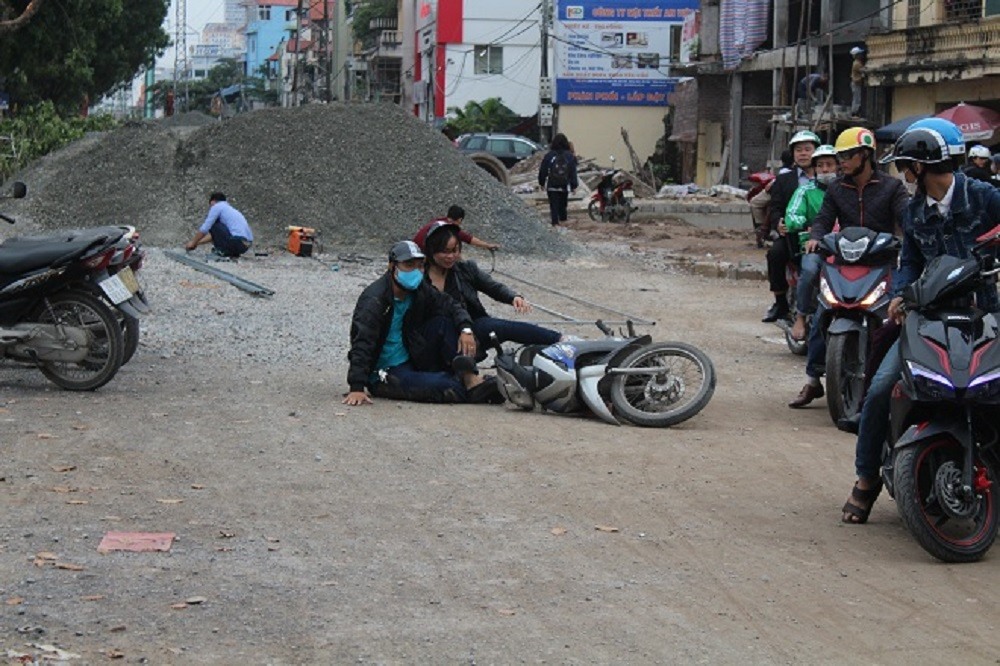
{"x":51,"y":315}
{"x":127,"y":261}
{"x":610,"y":202}
{"x":619,"y":379}
{"x":942,"y":462}
{"x":854,"y":300}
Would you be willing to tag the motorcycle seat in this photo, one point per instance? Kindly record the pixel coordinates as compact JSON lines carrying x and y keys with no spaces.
{"x":68,"y":236}
{"x":21,"y":258}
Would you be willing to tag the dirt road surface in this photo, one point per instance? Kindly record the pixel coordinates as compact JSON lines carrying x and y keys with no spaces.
{"x":308,"y":532}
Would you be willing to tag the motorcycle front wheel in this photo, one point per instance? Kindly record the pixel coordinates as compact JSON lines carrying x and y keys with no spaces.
{"x":104,"y":340}
{"x":594,"y":211}
{"x":678,"y":385}
{"x":845,"y":375}
{"x":949,"y":526}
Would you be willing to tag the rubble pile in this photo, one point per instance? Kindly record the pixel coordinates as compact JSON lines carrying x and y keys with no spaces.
{"x":364,"y":175}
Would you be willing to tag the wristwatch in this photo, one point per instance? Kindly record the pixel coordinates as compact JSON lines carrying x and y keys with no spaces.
{"x":466,"y":330}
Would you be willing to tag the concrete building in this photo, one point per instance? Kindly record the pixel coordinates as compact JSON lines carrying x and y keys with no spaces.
{"x":935,"y":54}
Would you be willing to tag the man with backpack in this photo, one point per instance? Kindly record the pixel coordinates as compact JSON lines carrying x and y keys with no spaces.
{"x":557,"y":175}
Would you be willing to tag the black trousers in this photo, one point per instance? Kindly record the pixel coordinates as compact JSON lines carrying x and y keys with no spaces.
{"x":778,"y":256}
{"x":558,"y":200}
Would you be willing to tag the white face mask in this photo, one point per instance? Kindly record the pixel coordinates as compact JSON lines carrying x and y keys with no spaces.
{"x":911,"y":188}
{"x":825,"y":179}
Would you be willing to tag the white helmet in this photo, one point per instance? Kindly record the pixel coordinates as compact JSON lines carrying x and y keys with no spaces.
{"x":979,"y":151}
{"x":804,"y":136}
{"x":826,"y":150}
{"x":856,"y":50}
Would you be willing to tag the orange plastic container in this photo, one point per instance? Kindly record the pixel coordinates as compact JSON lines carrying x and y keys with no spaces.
{"x":300,"y":241}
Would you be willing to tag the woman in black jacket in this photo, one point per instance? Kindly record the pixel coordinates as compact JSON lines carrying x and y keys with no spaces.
{"x":463,"y":280}
{"x":557,"y":174}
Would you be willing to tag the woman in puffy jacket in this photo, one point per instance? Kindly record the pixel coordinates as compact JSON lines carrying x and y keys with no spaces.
{"x":463,"y":280}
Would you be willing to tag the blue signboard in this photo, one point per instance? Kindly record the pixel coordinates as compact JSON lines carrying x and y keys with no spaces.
{"x":616,"y":52}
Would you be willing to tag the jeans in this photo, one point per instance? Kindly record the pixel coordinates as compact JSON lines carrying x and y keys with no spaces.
{"x":427,"y":376}
{"x":874,"y":425}
{"x":805,"y":291}
{"x":815,"y":350}
{"x":510,"y":331}
{"x":227,"y":244}
{"x":558,"y":200}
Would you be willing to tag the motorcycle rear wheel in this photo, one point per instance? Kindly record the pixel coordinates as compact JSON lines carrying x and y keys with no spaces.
{"x":845,"y":375}
{"x":680,"y":388}
{"x":104,"y":332}
{"x":947,"y":526}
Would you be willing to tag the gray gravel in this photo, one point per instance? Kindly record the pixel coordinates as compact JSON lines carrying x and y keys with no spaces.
{"x":365,"y":175}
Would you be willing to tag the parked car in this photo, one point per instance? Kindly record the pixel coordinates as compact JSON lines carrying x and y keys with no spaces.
{"x":508,"y":148}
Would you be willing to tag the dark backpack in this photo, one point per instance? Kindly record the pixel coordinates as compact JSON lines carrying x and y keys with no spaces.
{"x":558,"y":172}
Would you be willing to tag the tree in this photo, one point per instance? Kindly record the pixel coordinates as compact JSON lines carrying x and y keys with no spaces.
{"x":13,"y":18}
{"x":365,"y":14}
{"x":489,"y":115}
{"x":79,"y":49}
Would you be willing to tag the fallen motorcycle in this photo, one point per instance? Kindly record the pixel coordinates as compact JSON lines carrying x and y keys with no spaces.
{"x":51,"y":314}
{"x":619,"y":379}
{"x":942,"y":462}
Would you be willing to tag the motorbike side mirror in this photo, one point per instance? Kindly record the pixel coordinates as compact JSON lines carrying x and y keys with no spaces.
{"x":20,"y":190}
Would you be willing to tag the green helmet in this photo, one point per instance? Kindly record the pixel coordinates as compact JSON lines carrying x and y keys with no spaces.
{"x":802,"y":137}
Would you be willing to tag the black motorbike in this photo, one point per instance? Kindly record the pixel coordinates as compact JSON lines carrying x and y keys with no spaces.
{"x":943,"y":459}
{"x":854,"y":295}
{"x":55,"y":311}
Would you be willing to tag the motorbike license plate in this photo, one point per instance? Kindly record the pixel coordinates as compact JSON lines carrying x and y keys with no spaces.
{"x":120,"y":286}
{"x":628,"y":194}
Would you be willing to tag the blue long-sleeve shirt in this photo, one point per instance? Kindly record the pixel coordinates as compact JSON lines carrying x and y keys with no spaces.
{"x":233,"y":219}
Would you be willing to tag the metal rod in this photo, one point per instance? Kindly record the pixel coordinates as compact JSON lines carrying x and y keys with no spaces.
{"x":636,"y":320}
{"x":579,"y":322}
{"x":553,"y":312}
{"x":238,"y":282}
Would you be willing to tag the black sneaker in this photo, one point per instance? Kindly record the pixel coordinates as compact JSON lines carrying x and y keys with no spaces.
{"x":776,"y":312}
{"x":486,"y":392}
{"x":462,"y":365}
{"x":850,"y":424}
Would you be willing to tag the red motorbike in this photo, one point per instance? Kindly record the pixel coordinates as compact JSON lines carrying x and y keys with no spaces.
{"x":610,"y":202}
{"x":759,"y":181}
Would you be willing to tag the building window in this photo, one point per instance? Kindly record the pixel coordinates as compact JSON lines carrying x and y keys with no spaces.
{"x":264,"y":13}
{"x":992,"y":8}
{"x":963,"y":10}
{"x":290,"y":15}
{"x":913,"y":13}
{"x":675,"y":44}
{"x":489,"y":59}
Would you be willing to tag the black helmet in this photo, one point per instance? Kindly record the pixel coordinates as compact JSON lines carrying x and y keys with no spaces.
{"x":404,"y":251}
{"x":922,"y":145}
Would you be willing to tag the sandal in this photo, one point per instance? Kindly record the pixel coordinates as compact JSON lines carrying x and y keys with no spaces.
{"x":857,"y":514}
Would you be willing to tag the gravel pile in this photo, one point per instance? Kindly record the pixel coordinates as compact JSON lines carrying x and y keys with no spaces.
{"x":364,"y":175}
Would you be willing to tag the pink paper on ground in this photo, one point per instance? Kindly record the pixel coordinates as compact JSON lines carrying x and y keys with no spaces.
{"x":136,"y":542}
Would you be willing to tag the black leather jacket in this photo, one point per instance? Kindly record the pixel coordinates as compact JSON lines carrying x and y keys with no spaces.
{"x":464,"y":282}
{"x":373,"y":316}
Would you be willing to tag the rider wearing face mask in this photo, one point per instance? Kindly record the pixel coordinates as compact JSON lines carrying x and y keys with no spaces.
{"x":864,"y":196}
{"x":802,"y":209}
{"x":947,"y":214}
{"x":411,"y":342}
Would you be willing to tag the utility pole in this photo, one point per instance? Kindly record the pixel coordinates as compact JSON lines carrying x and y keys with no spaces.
{"x":295,"y":54}
{"x":180,"y":47}
{"x":544,"y":81}
{"x":327,"y":52}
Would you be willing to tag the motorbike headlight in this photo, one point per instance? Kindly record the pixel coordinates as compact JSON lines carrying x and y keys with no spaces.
{"x":930,"y":385}
{"x":985,"y":387}
{"x":826,"y":292}
{"x":851,"y":251}
{"x":873,"y":296}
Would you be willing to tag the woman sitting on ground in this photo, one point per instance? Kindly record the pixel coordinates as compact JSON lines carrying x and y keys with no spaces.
{"x":463,"y":280}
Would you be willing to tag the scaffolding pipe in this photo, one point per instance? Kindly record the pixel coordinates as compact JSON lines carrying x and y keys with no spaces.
{"x":247,"y":286}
